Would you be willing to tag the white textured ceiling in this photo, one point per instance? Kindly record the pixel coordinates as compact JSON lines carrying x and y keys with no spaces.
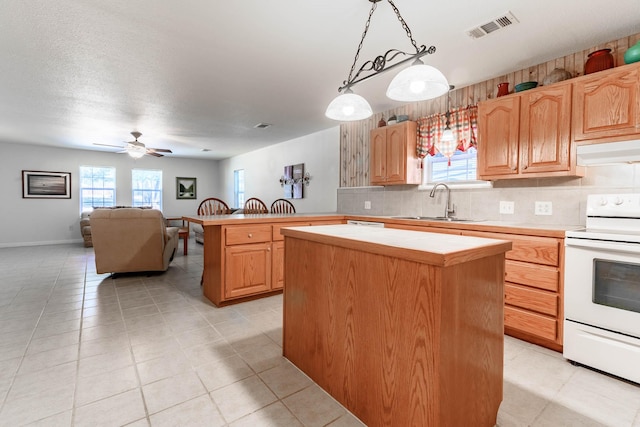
{"x":199,"y":74}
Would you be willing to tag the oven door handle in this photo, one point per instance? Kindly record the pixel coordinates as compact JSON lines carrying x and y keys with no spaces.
{"x":602,"y":245}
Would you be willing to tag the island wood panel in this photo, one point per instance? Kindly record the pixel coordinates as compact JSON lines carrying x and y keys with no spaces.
{"x":389,"y":339}
{"x":354,"y":136}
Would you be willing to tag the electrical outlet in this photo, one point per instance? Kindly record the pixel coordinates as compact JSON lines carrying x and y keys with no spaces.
{"x":507,"y":208}
{"x":543,"y":208}
{"x":367,"y":204}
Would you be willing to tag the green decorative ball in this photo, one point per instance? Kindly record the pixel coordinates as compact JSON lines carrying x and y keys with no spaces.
{"x":632,"y":54}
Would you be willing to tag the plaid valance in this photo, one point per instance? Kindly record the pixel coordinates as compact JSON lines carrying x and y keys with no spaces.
{"x":464,"y":124}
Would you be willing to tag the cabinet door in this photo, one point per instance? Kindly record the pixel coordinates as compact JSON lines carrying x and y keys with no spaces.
{"x":378,"y":156}
{"x":396,"y":154}
{"x":247,"y":269}
{"x":277,"y":268}
{"x":545,"y":130}
{"x":607,"y":107}
{"x":498,"y":133}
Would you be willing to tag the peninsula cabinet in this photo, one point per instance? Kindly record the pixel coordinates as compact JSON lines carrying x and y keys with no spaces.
{"x":244,"y":258}
{"x":392,"y":155}
{"x":606,"y":105}
{"x":527,"y":135}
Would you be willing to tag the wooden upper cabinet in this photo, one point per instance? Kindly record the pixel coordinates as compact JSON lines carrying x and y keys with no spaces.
{"x":545,"y":130}
{"x":498,"y":128}
{"x":378,"y":155}
{"x":393,"y":155}
{"x":527,"y":134}
{"x":606,"y":105}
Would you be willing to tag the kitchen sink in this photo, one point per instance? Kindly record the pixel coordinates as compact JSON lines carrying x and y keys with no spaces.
{"x":435,"y":218}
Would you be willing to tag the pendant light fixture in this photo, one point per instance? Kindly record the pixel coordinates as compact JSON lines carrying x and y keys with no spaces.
{"x":447,"y":134}
{"x":447,"y":145}
{"x":416,"y":83}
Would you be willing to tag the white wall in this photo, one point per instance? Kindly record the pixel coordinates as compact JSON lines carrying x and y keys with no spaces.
{"x":46,"y":221}
{"x":320,"y":153}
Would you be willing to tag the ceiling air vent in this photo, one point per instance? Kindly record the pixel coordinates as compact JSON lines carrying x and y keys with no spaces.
{"x":491,"y":26}
{"x":262,"y":125}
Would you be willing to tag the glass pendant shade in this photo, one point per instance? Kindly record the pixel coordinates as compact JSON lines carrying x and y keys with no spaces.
{"x":348,"y":107}
{"x":447,"y":135}
{"x":136,"y":152}
{"x":418,"y":83}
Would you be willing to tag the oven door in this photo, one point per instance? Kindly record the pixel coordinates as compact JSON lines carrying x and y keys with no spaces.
{"x":602,"y":284}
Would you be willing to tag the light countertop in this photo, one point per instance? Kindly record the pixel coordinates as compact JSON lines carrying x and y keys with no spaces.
{"x":431,"y":248}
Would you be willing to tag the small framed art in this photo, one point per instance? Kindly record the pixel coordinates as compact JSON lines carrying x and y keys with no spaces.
{"x":185,"y":188}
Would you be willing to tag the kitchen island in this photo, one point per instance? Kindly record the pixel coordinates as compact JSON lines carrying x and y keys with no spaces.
{"x":403,"y":328}
{"x":244,"y":254}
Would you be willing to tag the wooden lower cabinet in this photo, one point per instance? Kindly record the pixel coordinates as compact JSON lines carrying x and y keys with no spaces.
{"x":246,"y":261}
{"x":277,"y":264}
{"x":533,"y":287}
{"x":247,"y":270}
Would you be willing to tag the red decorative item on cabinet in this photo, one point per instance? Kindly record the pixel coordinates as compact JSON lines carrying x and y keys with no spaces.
{"x":503,"y":89}
{"x":598,"y":60}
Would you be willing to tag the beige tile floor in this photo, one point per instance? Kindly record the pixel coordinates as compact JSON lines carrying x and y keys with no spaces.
{"x":82,"y":349}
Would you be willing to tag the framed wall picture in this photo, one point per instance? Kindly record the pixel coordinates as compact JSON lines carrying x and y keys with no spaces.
{"x":185,"y":188}
{"x":46,"y":185}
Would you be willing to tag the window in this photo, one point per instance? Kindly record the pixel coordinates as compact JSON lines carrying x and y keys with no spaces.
{"x":463,"y":167}
{"x":147,"y":188}
{"x":97,"y":187}
{"x":238,"y":188}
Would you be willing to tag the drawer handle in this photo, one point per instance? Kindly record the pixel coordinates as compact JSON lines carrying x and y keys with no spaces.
{"x":250,"y":235}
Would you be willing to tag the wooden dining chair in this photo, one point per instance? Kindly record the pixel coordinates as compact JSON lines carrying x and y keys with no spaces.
{"x":255,"y":206}
{"x":283,"y":206}
{"x":213,"y":206}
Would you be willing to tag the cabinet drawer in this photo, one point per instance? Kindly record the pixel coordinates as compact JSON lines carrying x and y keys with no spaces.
{"x":541,"y":250}
{"x":243,"y":234}
{"x":531,"y":299}
{"x":538,"y":276}
{"x":527,"y":321}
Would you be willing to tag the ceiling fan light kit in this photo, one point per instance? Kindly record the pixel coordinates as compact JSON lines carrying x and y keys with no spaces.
{"x":137,"y":149}
{"x":418,"y":82}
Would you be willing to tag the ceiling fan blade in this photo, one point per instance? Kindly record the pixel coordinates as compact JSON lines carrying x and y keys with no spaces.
{"x":160,"y":150}
{"x":151,"y":153}
{"x":108,"y":145}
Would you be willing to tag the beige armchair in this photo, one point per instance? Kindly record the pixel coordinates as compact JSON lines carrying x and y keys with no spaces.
{"x":132,"y":239}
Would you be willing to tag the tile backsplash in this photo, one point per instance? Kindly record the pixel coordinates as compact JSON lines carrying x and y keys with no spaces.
{"x":567,"y":197}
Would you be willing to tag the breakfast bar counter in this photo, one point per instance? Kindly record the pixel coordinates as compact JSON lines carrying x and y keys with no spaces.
{"x":403,"y":328}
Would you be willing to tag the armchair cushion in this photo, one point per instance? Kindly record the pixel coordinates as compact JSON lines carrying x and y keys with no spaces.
{"x":132,"y":239}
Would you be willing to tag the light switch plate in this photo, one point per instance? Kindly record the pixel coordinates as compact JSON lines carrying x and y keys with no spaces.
{"x":507,"y":208}
{"x":367,"y":204}
{"x":543,"y":208}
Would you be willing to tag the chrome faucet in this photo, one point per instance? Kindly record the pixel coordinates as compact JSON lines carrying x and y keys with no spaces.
{"x":448,"y":208}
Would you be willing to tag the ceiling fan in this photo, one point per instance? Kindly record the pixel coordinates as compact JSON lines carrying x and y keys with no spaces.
{"x":137,"y":149}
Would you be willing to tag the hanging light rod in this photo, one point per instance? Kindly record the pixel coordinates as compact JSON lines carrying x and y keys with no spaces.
{"x":379,"y":64}
{"x":415,"y":83}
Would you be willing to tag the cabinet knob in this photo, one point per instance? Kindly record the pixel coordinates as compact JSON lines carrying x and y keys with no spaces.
{"x":525,"y":167}
{"x":250,"y":235}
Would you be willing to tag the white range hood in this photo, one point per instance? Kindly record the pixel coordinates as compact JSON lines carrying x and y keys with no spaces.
{"x":609,"y":153}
